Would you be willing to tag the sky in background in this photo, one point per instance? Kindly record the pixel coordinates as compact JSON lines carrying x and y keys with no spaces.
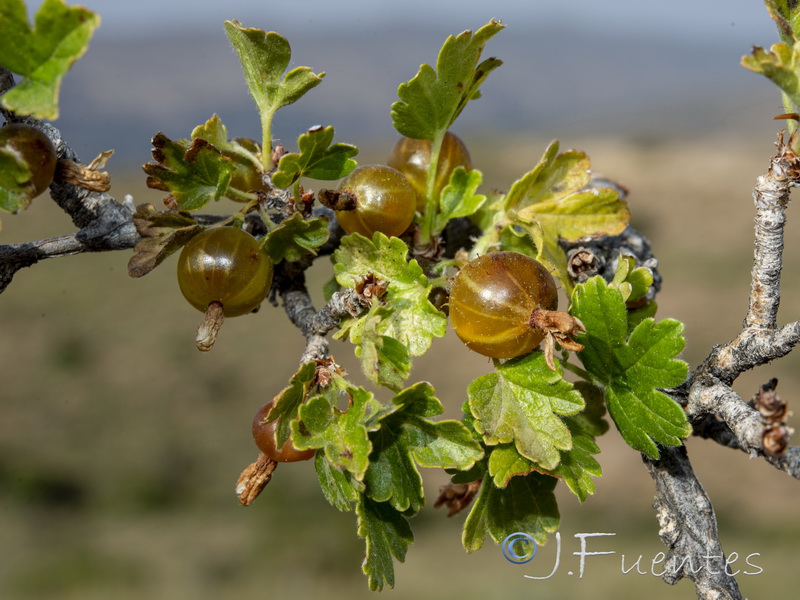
{"x":715,"y":19}
{"x":640,"y":68}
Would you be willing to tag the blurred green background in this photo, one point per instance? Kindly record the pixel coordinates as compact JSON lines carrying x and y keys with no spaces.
{"x":120,"y":444}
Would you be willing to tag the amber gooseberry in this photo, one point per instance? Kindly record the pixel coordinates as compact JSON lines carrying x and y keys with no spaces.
{"x":264,"y":436}
{"x":492,"y":300}
{"x":413,"y":157}
{"x":224,"y":265}
{"x":383,"y":201}
{"x":36,"y":150}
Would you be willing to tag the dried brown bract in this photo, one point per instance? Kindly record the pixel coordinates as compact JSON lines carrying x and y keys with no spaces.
{"x":372,"y":288}
{"x":776,"y":439}
{"x":769,"y":404}
{"x":326,"y":369}
{"x":89,"y":177}
{"x":337,"y":200}
{"x":254,"y":479}
{"x":457,"y":496}
{"x":558,"y":327}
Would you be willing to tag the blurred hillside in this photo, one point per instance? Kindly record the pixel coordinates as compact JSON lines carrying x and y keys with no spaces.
{"x":556,"y":80}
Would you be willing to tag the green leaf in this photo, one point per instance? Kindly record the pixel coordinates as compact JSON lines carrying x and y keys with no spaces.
{"x":520,"y":402}
{"x":780,"y":64}
{"x":550,"y":203}
{"x":433,"y":99}
{"x":526,"y":504}
{"x":296,"y":237}
{"x":632,"y":282}
{"x":42,"y":54}
{"x":214,"y":132}
{"x":245,"y":154}
{"x":338,"y":485}
{"x":545,"y":176}
{"x":16,"y":191}
{"x":458,"y":198}
{"x":578,"y":466}
{"x":384,"y":360}
{"x":162,"y":233}
{"x":506,"y":462}
{"x":342,"y":435}
{"x":407,"y":437}
{"x":387,"y":534}
{"x":413,"y":320}
{"x":287,"y":403}
{"x":193,"y":174}
{"x":243,"y":151}
{"x":265,"y":58}
{"x":318,"y":159}
{"x":631,"y":368}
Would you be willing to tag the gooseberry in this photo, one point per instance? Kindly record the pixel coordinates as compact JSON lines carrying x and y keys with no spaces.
{"x":36,"y":150}
{"x":382,"y":200}
{"x":492,"y":303}
{"x":264,"y":436}
{"x":224,"y":265}
{"x":413,"y":157}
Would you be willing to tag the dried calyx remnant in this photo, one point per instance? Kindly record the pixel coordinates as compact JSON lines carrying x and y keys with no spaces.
{"x":601,"y":255}
{"x":774,"y":411}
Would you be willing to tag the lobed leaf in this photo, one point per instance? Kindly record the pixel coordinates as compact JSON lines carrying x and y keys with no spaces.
{"x":162,"y":233}
{"x":286,"y":403}
{"x":506,"y":462}
{"x":632,"y":368}
{"x":338,"y":485}
{"x":550,"y":203}
{"x":780,"y":64}
{"x":431,"y":101}
{"x":411,"y":318}
{"x":632,"y":282}
{"x":527,"y":504}
{"x":318,"y":158}
{"x":459,"y":197}
{"x":577,"y":466}
{"x":341,"y":434}
{"x":42,"y":54}
{"x":520,"y":403}
{"x":384,"y":360}
{"x":387,"y":534}
{"x":264,"y":58}
{"x":405,"y":438}
{"x":194,"y":174}
{"x":296,"y":237}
